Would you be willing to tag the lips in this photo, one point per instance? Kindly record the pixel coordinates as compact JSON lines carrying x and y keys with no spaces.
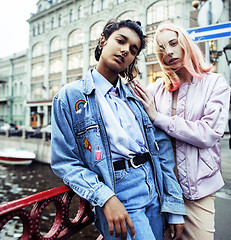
{"x":119,"y":58}
{"x":173,"y":61}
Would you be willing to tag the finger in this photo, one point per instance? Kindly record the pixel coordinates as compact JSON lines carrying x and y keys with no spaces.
{"x":111,"y":228}
{"x":123,"y":230}
{"x":117,"y":228}
{"x":131,"y":227}
{"x":178,"y":231}
{"x":172,"y":231}
{"x":142,"y":92}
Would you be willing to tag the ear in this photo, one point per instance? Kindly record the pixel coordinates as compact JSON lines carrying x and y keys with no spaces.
{"x":102,"y":41}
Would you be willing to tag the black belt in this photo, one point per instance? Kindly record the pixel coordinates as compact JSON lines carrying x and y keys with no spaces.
{"x":135,"y":162}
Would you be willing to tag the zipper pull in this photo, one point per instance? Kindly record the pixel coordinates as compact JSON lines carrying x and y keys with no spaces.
{"x":157,"y":147}
{"x":97,"y":131}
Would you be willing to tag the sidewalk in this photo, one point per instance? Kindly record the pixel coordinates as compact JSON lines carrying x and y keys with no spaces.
{"x":223,"y":197}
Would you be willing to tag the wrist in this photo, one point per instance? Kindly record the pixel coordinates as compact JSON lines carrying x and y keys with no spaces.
{"x":153,"y":117}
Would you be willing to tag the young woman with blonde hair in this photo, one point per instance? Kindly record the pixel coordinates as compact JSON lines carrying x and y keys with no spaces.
{"x":191,"y":105}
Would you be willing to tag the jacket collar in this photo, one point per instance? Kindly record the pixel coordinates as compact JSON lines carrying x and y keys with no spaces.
{"x":89,"y":86}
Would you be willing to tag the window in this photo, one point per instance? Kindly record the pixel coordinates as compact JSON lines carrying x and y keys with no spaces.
{"x":79,"y":12}
{"x":54,"y":88}
{"x":75,"y":38}
{"x":59,"y":20}
{"x":52,"y":23}
{"x":56,"y":65}
{"x":44,"y":27}
{"x":93,"y":7}
{"x":38,"y":29}
{"x":55,"y":44}
{"x":38,"y":69}
{"x":71,"y":15}
{"x":93,"y":61}
{"x":96,"y":31}
{"x":160,"y":11}
{"x":128,"y":15}
{"x":38,"y":50}
{"x":150,"y":43}
{"x":36,"y":91}
{"x":75,"y":61}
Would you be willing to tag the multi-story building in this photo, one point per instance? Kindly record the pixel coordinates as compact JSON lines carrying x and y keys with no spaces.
{"x":13,"y":88}
{"x":64,"y":34}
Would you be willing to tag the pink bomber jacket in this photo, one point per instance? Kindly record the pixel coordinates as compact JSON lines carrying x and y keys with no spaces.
{"x":199,"y":123}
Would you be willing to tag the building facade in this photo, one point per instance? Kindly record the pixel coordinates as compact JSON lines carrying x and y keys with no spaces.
{"x":64,"y":34}
{"x":13,"y":88}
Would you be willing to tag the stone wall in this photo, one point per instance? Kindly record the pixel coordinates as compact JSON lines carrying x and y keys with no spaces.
{"x":40,"y":147}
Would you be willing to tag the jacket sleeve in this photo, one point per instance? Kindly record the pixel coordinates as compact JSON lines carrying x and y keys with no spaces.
{"x":173,"y":198}
{"x":66,"y":162}
{"x":204,"y":132}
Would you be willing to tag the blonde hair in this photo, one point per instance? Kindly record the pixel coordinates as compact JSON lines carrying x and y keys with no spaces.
{"x":193,"y":59}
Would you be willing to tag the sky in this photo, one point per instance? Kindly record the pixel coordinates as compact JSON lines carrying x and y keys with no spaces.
{"x":14,"y":28}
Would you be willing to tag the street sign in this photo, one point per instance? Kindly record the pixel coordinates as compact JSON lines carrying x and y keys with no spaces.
{"x":210,"y":32}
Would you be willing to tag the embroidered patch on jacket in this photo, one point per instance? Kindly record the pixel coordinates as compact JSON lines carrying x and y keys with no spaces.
{"x":79,"y":104}
{"x":87,"y":144}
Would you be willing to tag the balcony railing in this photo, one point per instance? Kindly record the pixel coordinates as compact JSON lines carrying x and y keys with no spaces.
{"x":63,"y":227}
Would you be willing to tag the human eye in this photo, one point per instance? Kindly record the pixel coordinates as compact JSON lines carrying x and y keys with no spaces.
{"x":161,"y":48}
{"x":174,"y":43}
{"x":133,"y":51}
{"x":120,"y":40}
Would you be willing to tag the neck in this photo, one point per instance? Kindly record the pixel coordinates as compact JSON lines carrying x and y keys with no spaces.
{"x":184,"y":75}
{"x":112,"y":77}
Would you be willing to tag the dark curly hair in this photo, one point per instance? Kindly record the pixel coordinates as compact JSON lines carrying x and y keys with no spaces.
{"x":112,"y":26}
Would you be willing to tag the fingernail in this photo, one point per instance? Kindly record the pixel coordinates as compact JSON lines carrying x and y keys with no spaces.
{"x":133,"y":236}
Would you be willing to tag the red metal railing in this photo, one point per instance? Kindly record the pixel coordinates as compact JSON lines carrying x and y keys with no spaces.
{"x":62,"y":227}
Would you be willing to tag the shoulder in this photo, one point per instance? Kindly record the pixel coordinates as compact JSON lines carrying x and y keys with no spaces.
{"x":156,"y":86}
{"x":215,"y":79}
{"x":70,"y":88}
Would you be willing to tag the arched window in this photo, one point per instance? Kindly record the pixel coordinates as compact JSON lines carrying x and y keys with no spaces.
{"x":56,"y":44}
{"x":128,"y":15}
{"x":38,"y":50}
{"x":96,"y":30}
{"x":160,"y":11}
{"x":76,"y":37}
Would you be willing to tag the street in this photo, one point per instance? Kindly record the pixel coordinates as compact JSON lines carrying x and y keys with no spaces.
{"x":223,"y":197}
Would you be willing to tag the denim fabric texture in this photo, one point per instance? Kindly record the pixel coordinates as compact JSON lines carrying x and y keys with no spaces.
{"x":79,"y":134}
{"x":136,"y":190}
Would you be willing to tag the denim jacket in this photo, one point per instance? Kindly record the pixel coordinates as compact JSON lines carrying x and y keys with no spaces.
{"x":78,"y":132}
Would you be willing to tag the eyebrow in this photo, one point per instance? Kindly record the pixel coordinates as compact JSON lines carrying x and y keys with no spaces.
{"x":126,"y":38}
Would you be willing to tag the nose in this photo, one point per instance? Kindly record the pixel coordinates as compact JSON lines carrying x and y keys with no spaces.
{"x":124,"y":53}
{"x":125,"y":50}
{"x":169,"y":52}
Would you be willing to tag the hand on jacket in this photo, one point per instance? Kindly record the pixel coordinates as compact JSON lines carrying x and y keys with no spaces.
{"x":117,"y":217}
{"x":145,"y":97}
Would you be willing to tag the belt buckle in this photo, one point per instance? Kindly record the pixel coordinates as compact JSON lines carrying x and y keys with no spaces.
{"x":133,"y":164}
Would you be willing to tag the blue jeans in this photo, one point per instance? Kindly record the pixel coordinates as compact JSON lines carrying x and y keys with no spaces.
{"x":135,"y":188}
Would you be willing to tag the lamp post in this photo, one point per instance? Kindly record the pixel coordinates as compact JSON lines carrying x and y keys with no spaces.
{"x":227,"y":51}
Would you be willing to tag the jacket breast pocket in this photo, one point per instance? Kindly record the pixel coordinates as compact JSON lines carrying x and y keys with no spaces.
{"x":88,"y":140}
